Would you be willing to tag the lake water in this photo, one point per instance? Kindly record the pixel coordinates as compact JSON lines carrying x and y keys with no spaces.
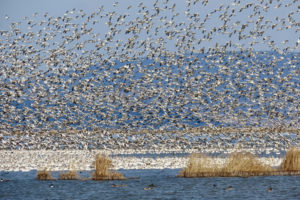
{"x":22,"y":185}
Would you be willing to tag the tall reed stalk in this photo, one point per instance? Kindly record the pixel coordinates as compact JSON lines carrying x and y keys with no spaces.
{"x":44,"y":175}
{"x":291,"y":161}
{"x":103,"y":170}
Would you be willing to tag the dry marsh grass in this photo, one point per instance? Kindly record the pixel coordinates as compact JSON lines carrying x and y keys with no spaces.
{"x":244,"y":162}
{"x":103,"y":170}
{"x":240,"y":164}
{"x":198,"y":164}
{"x":68,"y":175}
{"x":291,"y":161}
{"x":237,"y":164}
{"x":44,"y":175}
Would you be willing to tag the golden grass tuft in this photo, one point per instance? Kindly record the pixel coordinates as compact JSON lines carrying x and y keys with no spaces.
{"x":291,"y":161}
{"x":103,"y":170}
{"x":237,"y":164}
{"x":44,"y":175}
{"x":244,"y":162}
{"x":199,"y":164}
{"x":68,"y":175}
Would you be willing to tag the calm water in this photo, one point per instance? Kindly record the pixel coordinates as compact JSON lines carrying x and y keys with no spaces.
{"x":167,"y":186}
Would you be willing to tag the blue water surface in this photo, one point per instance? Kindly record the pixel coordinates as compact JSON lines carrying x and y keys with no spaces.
{"x":22,"y":185}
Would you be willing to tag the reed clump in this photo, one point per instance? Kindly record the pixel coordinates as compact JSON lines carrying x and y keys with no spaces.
{"x":68,"y":175}
{"x":244,"y":164}
{"x":243,"y":161}
{"x":237,"y":164}
{"x":198,"y":165}
{"x":103,"y":170}
{"x":44,"y":175}
{"x":291,"y":161}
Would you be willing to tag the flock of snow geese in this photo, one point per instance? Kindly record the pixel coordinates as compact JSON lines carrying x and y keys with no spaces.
{"x":152,"y":66}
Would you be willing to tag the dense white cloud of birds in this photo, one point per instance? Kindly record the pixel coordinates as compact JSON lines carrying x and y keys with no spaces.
{"x":149,"y":70}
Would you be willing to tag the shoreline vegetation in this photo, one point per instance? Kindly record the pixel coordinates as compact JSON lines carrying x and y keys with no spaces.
{"x":44,"y":175}
{"x":68,"y":175}
{"x":240,"y":164}
{"x":237,"y":164}
{"x":103,"y":171}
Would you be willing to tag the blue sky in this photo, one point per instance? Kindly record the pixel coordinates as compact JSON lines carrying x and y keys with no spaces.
{"x":18,"y":9}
